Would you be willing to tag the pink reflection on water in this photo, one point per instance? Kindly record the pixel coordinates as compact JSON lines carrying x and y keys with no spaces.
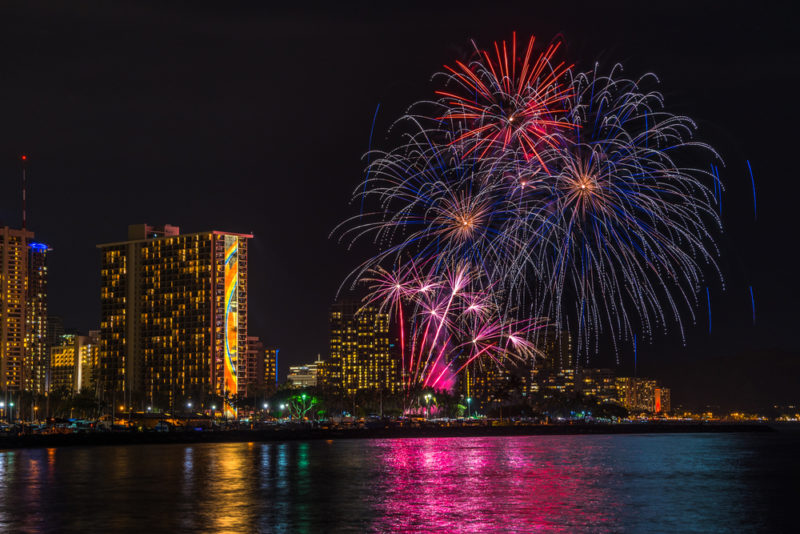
{"x":443,"y":485}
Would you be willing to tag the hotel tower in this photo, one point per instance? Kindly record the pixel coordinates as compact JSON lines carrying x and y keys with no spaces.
{"x":173,"y":315}
{"x":363,"y":353}
{"x":24,"y":358}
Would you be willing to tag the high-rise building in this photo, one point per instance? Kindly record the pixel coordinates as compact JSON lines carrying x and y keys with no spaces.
{"x":37,"y":349}
{"x":302,"y":376}
{"x":73,"y":363}
{"x":173,"y":314}
{"x":271,"y":370}
{"x":663,"y":402}
{"x":484,"y":382}
{"x":361,"y":350}
{"x":23,"y":312}
{"x":479,"y":380}
{"x":251,"y":367}
{"x":553,"y":372}
{"x":13,"y":305}
{"x":636,"y":394}
{"x":598,"y":383}
{"x":55,"y":329}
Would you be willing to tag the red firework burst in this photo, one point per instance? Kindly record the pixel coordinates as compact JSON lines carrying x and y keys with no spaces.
{"x":506,"y":102}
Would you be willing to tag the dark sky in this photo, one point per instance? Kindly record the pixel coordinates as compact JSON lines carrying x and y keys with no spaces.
{"x":240,"y":117}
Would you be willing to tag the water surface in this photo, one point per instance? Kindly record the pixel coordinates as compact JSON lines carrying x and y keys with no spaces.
{"x":615,"y":483}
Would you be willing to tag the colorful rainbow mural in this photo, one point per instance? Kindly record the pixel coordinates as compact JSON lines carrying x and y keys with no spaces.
{"x":231,"y":321}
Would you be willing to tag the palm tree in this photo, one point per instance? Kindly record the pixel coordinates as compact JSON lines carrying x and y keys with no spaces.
{"x":85,"y":403}
{"x":61,"y":401}
{"x":504,"y":389}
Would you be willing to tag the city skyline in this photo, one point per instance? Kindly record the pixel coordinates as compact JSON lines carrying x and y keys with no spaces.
{"x":301,"y":267}
{"x":160,"y":252}
{"x":452,"y":266}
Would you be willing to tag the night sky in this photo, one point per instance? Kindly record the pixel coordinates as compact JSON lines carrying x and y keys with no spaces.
{"x":240,"y":117}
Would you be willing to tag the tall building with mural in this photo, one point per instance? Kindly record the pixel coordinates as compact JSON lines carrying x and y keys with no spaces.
{"x":24,"y":357}
{"x":173,"y":315}
{"x":362,"y":352}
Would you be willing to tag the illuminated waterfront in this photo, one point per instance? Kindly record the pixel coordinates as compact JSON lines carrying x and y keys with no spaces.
{"x":662,"y":483}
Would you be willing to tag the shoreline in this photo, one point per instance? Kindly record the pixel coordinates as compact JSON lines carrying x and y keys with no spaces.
{"x":278,"y":435}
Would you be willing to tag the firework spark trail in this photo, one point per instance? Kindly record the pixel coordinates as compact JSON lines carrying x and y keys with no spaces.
{"x":369,"y":151}
{"x":753,"y":182}
{"x":717,"y":187}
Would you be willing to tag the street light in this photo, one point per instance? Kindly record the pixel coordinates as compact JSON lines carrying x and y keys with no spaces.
{"x":469,"y":411}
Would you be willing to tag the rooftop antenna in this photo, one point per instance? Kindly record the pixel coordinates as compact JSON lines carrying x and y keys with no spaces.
{"x":24,"y":159}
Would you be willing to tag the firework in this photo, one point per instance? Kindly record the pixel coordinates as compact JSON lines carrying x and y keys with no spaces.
{"x":435,"y":205}
{"x":626,"y":229}
{"x":500,"y":104}
{"x":454,"y":321}
{"x":535,"y":191}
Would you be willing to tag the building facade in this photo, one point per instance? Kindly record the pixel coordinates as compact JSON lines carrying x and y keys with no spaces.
{"x":553,"y":373}
{"x":55,"y":329}
{"x":362,"y":353}
{"x":271,"y":370}
{"x":74,"y":363}
{"x":636,"y":394}
{"x":663,"y":401}
{"x":23,"y":312}
{"x":37,"y":348}
{"x":173,"y":314}
{"x":251,"y":367}
{"x":303,"y":376}
{"x":598,"y":383}
{"x":485,"y":383}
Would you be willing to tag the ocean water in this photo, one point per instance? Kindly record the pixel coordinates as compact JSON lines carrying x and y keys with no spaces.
{"x":595,"y":483}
